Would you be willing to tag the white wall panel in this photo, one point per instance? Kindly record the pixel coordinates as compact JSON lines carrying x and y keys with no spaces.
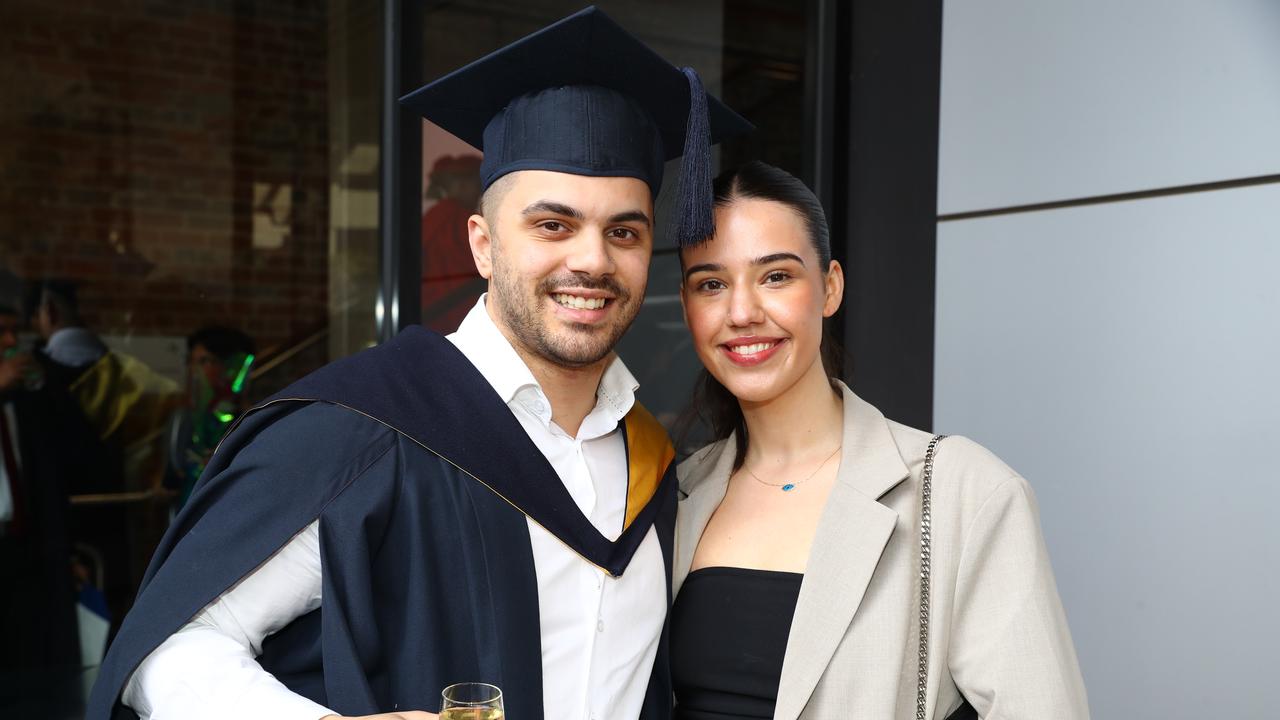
{"x":1125,"y":359}
{"x":1045,"y":101}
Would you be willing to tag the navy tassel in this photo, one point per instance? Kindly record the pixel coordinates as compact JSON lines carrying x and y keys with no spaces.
{"x":695,"y":219}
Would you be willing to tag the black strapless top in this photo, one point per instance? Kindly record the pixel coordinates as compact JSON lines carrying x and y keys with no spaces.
{"x":729,"y":630}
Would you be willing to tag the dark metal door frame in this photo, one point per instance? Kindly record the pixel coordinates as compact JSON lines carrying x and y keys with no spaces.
{"x":890,"y":197}
{"x":400,"y":199}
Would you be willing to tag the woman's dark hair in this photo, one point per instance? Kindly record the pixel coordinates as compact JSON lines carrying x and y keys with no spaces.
{"x":712,"y":402}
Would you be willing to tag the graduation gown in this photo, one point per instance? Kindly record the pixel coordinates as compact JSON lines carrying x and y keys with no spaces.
{"x":422,"y":480}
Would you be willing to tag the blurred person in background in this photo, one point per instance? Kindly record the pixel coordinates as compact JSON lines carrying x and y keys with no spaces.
{"x":219,"y":360}
{"x":37,"y":595}
{"x":450,"y":283}
{"x":69,"y":348}
{"x":126,"y":402}
{"x":16,"y":367}
{"x":126,"y":406}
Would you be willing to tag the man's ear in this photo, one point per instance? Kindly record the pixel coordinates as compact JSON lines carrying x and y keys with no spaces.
{"x":480,"y":238}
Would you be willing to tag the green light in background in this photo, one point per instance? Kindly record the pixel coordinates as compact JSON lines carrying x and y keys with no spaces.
{"x":244,"y":372}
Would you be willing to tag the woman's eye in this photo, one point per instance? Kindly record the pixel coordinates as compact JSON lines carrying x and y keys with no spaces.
{"x":710,"y":285}
{"x":776,"y":276}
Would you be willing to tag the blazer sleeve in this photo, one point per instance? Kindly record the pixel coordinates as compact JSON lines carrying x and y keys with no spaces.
{"x":1011,"y":653}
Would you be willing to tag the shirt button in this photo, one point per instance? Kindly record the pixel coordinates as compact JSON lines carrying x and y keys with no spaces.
{"x":538,"y":406}
{"x":600,"y":625}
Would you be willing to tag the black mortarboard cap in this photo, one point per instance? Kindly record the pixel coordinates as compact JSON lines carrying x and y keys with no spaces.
{"x":584,"y":96}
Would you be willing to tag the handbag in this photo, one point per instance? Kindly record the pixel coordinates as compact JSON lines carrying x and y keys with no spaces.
{"x":965,"y":711}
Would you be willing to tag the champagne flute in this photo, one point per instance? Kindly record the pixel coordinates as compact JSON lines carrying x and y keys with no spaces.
{"x":471,"y":701}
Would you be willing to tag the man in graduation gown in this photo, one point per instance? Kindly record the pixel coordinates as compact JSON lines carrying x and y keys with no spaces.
{"x":492,"y":506}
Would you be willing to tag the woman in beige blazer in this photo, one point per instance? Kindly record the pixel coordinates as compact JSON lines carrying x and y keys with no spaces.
{"x":797,"y":549}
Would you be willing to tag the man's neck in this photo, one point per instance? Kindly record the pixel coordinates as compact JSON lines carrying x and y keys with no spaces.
{"x":571,"y":391}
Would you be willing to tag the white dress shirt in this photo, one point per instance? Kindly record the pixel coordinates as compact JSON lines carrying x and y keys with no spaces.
{"x":599,"y":634}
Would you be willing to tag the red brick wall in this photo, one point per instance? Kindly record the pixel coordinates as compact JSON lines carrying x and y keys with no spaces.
{"x":132,"y":135}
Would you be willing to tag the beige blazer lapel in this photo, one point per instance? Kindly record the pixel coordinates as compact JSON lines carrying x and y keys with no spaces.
{"x":705,"y":476}
{"x":851,"y":536}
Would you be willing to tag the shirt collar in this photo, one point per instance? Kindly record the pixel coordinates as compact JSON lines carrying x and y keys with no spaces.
{"x":484,"y":345}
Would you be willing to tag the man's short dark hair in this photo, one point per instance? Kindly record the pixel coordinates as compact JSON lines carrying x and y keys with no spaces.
{"x":61,"y":294}
{"x":492,"y":198}
{"x":221,"y":341}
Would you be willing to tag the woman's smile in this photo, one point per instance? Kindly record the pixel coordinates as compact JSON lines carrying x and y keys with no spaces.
{"x":752,"y":350}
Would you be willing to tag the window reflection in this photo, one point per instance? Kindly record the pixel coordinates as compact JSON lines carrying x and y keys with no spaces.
{"x":450,"y":283}
{"x":188,"y":223}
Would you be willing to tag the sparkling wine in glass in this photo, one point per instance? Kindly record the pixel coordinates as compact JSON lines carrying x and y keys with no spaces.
{"x":471,"y":701}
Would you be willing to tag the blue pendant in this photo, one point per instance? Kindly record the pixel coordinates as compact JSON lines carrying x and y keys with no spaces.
{"x":788,"y":486}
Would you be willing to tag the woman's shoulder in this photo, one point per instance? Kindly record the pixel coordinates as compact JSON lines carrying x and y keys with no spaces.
{"x":703,"y":463}
{"x":959,"y":462}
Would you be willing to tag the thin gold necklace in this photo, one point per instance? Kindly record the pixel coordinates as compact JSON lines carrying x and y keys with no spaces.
{"x":789,"y":486}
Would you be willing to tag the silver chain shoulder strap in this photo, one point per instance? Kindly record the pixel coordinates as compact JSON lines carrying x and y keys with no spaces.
{"x":926,"y":561}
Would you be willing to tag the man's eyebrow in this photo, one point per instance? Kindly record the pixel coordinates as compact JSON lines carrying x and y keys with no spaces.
{"x":555,"y":208}
{"x":632,"y":216}
{"x":777,"y":257}
{"x":703,"y":267}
